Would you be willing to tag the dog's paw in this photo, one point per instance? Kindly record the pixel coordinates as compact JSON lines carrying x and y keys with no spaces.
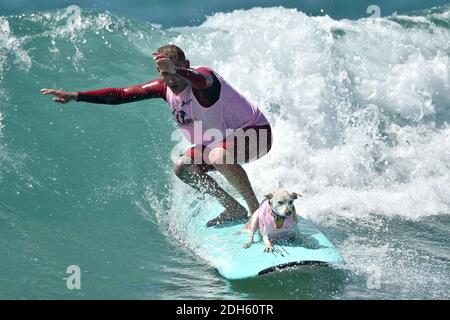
{"x":268,"y":248}
{"x":247,"y":245}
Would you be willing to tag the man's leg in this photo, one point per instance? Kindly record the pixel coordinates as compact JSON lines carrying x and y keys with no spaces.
{"x":218,"y":157}
{"x":243,"y":145}
{"x":236,"y":176}
{"x":195,"y":176}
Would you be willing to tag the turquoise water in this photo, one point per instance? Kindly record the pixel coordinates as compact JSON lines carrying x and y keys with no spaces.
{"x":363,"y":134}
{"x":193,"y":12}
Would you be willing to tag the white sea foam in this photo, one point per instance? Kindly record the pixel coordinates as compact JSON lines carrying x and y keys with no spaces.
{"x":11,"y":46}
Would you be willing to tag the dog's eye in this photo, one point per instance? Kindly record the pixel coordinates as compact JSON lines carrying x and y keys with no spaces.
{"x":280,"y":202}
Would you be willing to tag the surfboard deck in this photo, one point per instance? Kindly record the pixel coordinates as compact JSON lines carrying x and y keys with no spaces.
{"x":222,"y":247}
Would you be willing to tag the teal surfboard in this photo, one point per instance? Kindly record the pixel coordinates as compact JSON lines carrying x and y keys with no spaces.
{"x":222,"y":247}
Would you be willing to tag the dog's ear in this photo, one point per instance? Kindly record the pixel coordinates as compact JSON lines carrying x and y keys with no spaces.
{"x":295,"y":195}
{"x":268,"y":196}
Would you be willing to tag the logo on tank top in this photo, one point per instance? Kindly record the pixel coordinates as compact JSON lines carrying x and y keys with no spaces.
{"x":186,"y":103}
{"x":182,"y":118}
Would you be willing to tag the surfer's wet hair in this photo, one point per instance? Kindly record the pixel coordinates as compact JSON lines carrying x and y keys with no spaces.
{"x":173,"y":52}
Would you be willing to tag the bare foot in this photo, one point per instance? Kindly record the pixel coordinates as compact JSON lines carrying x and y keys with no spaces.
{"x":228,"y":215}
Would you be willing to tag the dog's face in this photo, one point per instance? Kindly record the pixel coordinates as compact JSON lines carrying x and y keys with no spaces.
{"x":282,"y":203}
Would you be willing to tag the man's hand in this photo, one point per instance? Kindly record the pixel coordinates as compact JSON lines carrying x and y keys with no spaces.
{"x":61,"y":96}
{"x":165,"y":65}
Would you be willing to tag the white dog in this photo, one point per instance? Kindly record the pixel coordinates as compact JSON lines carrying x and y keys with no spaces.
{"x":275,"y":218}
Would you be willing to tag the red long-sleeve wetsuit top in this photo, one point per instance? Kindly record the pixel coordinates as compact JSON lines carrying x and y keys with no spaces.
{"x":205,"y":86}
{"x":208,"y":100}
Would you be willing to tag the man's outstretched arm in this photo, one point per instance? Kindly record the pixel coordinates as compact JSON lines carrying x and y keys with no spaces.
{"x":152,"y":89}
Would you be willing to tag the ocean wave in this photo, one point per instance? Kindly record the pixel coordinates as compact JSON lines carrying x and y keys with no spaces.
{"x":359,"y":108}
{"x":364,"y":103}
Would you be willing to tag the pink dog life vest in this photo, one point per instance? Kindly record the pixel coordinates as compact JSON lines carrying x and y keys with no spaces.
{"x":231,"y":111}
{"x":267,"y":222}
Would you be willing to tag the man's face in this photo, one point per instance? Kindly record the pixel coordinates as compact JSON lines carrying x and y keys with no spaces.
{"x":175,"y":82}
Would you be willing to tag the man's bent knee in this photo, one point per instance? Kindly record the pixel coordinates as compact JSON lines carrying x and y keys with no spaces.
{"x":182,"y":168}
{"x":219,"y":156}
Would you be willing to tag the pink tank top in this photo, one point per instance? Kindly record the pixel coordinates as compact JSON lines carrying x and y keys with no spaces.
{"x":205,"y":125}
{"x":267,"y":222}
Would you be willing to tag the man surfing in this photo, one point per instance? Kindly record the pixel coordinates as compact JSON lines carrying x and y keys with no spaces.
{"x":224,"y":127}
